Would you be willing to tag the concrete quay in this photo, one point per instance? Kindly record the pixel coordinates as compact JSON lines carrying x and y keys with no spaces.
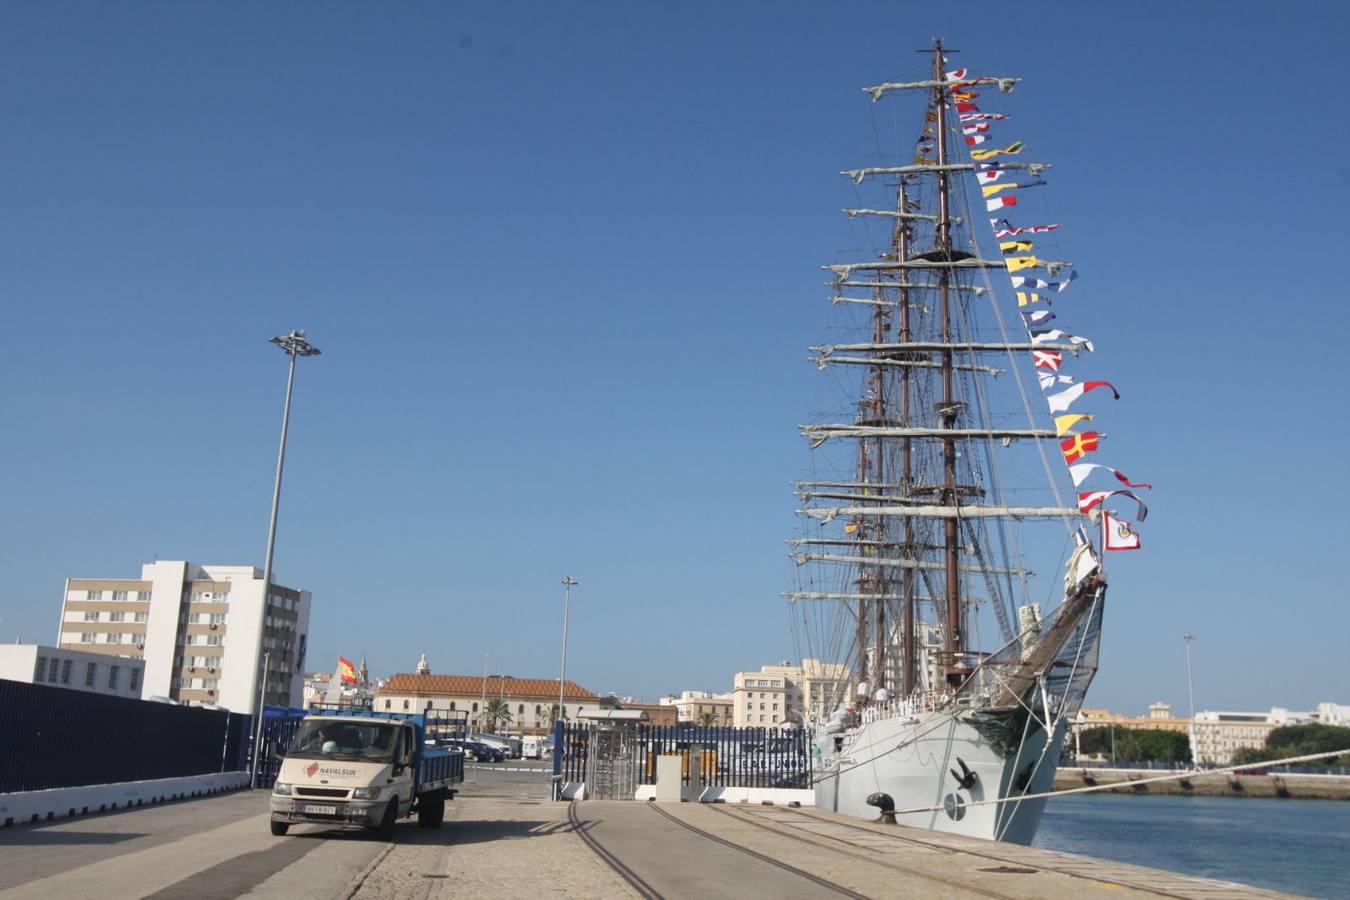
{"x":1275,"y":784}
{"x":504,"y":837}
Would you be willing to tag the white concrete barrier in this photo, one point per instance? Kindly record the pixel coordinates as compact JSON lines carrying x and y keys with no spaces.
{"x":756,"y":796}
{"x":26,"y":807}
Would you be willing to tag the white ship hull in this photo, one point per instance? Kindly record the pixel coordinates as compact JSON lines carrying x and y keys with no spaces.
{"x":917,"y":762}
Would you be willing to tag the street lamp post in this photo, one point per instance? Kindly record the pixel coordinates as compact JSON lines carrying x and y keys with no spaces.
{"x":1190,"y":691}
{"x":295,"y":345}
{"x":567,"y":583}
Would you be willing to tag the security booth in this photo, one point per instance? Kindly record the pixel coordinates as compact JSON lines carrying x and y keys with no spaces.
{"x":610,"y":769}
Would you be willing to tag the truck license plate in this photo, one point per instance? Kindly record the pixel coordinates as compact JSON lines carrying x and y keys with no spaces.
{"x":312,"y":810}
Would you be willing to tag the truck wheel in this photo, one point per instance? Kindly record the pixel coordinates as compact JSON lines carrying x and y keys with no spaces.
{"x":431,"y":810}
{"x":280,"y":828}
{"x":385,"y":830}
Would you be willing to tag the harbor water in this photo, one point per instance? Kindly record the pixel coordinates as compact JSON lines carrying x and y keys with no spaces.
{"x":1298,"y":846}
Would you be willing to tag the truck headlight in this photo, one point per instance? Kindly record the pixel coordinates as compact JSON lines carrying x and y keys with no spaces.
{"x":282,"y":788}
{"x":366,"y":793}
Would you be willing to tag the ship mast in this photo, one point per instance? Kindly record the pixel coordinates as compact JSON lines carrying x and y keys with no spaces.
{"x":902,"y":230}
{"x":948,"y":407}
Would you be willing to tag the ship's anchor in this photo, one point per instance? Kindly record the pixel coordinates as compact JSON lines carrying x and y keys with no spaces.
{"x":965,"y":778}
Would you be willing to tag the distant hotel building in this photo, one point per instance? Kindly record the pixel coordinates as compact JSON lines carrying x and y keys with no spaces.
{"x":95,"y":673}
{"x":530,"y":701}
{"x":202,"y":631}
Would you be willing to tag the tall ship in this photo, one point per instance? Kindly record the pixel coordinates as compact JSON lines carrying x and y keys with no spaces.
{"x":962,"y":452}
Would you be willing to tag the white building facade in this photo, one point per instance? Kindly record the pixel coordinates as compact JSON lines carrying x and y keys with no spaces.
{"x":202,"y":631}
{"x":95,"y":673}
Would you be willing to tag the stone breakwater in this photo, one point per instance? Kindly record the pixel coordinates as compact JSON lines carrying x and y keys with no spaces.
{"x":1272,"y":784}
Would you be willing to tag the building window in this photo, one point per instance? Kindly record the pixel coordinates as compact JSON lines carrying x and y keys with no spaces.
{"x":210,"y":683}
{"x":387,"y":703}
{"x":142,"y":617}
{"x":89,"y":670}
{"x":521,"y":711}
{"x":94,"y":595}
{"x":135,"y":684}
{"x":112,"y":677}
{"x":53,"y":671}
{"x":452,"y":706}
{"x":217,"y":618}
{"x":91,"y":616}
{"x":65,"y":670}
{"x":87,"y":637}
{"x":475,"y":707}
{"x":405,"y":704}
{"x":119,"y":595}
{"x":40,"y":673}
{"x":116,"y":616}
{"x":143,"y":596}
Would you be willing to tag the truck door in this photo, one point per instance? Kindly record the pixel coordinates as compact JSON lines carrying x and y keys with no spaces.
{"x":405,"y":762}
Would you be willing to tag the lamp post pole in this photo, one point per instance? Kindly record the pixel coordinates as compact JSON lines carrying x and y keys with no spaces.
{"x":295,"y":346}
{"x":1190,"y":691}
{"x":567,"y":584}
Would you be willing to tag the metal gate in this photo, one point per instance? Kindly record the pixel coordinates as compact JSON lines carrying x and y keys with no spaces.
{"x":611,"y":768}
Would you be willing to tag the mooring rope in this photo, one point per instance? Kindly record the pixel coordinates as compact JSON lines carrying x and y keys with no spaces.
{"x":1175,"y":776}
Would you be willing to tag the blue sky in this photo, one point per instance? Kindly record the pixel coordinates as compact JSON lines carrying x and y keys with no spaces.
{"x":562,"y":261}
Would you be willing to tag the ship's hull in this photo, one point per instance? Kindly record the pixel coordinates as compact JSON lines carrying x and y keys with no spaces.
{"x":918,"y":761}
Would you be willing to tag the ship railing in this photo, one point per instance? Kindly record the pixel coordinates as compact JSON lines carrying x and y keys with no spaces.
{"x":908,"y":707}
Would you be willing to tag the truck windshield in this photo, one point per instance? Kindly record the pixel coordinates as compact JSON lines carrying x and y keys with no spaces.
{"x":342,"y":739}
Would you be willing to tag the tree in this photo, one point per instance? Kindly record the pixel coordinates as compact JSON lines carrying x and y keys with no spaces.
{"x":497,"y":710}
{"x":707,"y":718}
{"x":1299,"y":740}
{"x":1136,"y":744}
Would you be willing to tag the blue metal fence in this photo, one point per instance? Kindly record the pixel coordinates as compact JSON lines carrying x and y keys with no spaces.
{"x":53,"y":737}
{"x":728,"y":757}
{"x":279,"y":726}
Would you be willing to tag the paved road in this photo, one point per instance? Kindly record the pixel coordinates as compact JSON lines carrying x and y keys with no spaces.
{"x":503,"y":837}
{"x":221,"y":847}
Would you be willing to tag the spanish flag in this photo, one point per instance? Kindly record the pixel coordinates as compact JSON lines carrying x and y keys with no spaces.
{"x":1079,"y":445}
{"x":346,"y":671}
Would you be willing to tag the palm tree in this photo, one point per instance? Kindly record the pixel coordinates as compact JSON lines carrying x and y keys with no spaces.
{"x":707,"y":718}
{"x":497,"y":710}
{"x":552,"y":715}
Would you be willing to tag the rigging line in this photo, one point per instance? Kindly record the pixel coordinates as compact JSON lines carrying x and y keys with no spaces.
{"x":1013,"y":364}
{"x":1175,"y":776}
{"x":996,"y":474}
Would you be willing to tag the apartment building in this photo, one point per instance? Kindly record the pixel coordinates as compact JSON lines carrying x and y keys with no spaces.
{"x":203,"y":631}
{"x":761,"y":698}
{"x":96,"y":673}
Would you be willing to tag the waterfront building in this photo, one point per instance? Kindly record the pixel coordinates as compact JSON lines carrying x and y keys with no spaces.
{"x":530,"y":701}
{"x":78,"y":670}
{"x":203,"y":631}
{"x":692,"y":706}
{"x":1218,"y":735}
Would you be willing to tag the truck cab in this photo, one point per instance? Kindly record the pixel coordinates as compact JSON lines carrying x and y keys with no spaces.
{"x":359,"y":769}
